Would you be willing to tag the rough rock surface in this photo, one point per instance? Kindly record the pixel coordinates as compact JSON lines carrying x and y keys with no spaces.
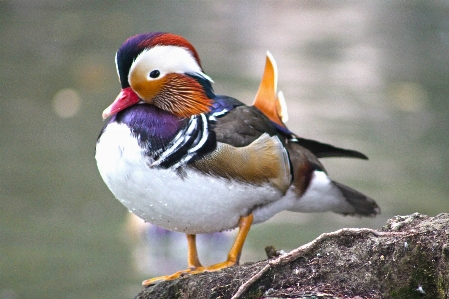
{"x":407,"y":258}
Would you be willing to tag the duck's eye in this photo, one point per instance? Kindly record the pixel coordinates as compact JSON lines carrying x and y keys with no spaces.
{"x":155,"y":74}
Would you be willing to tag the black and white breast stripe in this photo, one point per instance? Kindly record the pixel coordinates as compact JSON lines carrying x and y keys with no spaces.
{"x":193,"y":140}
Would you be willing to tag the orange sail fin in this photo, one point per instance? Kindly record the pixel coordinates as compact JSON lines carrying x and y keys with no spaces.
{"x":266,"y":101}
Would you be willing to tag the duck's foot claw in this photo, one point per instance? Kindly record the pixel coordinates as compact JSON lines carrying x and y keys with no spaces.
{"x":189,"y":271}
{"x":155,"y":280}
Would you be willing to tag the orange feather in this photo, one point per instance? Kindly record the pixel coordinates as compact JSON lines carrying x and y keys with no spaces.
{"x":266,"y":101}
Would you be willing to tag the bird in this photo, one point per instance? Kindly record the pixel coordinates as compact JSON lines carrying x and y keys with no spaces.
{"x":186,"y":159}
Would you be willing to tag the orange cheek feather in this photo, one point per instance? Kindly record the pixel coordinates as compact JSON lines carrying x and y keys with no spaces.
{"x":175,"y":93}
{"x":183,"y":96}
{"x":145,"y":88}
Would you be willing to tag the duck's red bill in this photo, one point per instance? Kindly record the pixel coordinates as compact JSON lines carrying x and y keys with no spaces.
{"x":127,"y":97}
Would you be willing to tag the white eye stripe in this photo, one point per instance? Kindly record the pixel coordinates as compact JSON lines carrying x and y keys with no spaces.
{"x":167,"y":59}
{"x":116,"y":67}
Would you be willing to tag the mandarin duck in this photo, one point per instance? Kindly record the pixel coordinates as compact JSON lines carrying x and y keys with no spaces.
{"x":188,"y":160}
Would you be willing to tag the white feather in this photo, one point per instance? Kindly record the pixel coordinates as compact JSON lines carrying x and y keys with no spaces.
{"x":194,"y":204}
{"x":321,"y":196}
{"x":168,"y":59}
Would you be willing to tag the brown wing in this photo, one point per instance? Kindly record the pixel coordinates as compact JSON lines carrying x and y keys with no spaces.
{"x":265,"y":160}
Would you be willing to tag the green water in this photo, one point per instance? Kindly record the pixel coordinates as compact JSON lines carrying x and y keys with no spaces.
{"x":369,"y":76}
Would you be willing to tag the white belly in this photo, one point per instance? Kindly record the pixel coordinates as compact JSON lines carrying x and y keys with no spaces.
{"x":192,"y":204}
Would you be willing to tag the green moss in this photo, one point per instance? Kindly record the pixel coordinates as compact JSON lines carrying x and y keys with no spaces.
{"x":422,"y":278}
{"x":442,"y":285}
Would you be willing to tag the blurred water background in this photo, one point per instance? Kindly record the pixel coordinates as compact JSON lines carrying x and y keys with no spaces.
{"x":369,"y":75}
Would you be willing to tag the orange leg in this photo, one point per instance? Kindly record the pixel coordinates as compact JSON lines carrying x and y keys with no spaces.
{"x":192,"y":254}
{"x":193,"y":260}
{"x":236,"y":249}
